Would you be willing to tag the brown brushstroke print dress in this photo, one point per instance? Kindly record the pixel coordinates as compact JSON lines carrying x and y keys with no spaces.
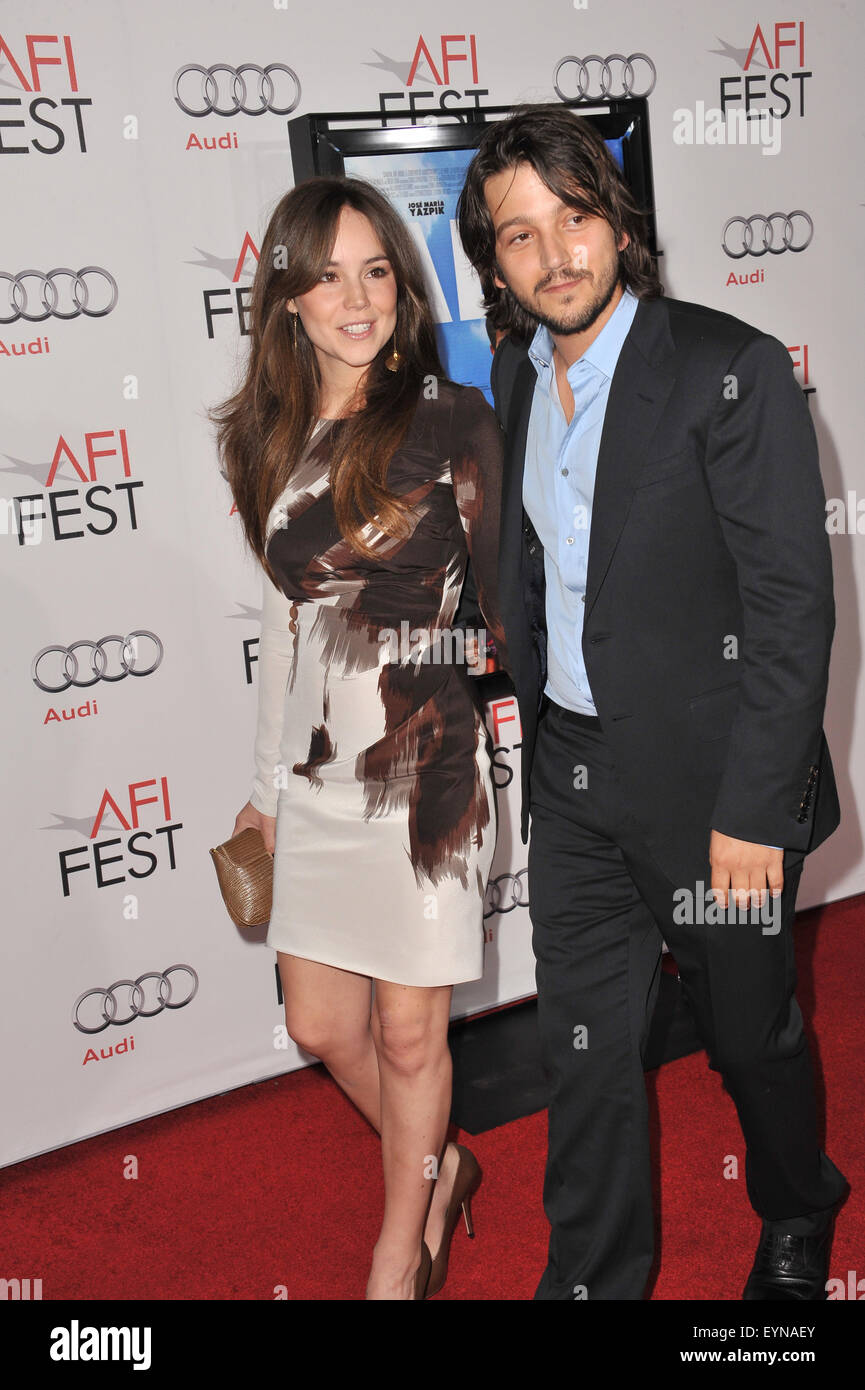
{"x":374,"y":763}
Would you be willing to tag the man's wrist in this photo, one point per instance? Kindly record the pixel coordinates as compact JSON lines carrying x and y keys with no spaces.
{"x":760,"y":842}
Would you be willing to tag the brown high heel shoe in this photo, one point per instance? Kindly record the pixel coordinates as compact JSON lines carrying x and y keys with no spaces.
{"x":421,"y":1278}
{"x":466,"y":1182}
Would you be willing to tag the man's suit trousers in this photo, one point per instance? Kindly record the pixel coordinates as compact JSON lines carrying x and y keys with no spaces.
{"x":600,"y":909}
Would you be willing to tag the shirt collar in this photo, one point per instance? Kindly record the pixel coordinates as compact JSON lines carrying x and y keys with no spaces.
{"x":602,"y":354}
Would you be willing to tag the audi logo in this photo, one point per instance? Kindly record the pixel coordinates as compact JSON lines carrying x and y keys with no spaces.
{"x":776,"y":234}
{"x":164,"y":999}
{"x":637,"y":70}
{"x":505,"y":893}
{"x":127,"y":661}
{"x":209,"y":90}
{"x":19,"y":297}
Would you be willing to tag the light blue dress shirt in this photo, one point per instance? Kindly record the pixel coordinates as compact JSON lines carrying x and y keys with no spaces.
{"x":558,"y":488}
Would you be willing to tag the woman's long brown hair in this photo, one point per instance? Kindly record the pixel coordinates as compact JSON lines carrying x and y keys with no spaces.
{"x":263,"y":428}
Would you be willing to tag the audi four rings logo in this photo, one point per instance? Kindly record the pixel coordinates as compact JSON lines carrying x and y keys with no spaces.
{"x":128,"y":657}
{"x":207,"y":98}
{"x":634,"y":76}
{"x":506,"y":892}
{"x":163,"y":998}
{"x":777,"y":233}
{"x":49,"y":297}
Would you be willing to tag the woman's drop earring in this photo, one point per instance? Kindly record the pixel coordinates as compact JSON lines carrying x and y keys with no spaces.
{"x":393,"y":362}
{"x":295,"y":317}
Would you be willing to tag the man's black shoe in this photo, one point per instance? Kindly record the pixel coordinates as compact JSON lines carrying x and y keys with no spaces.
{"x":791,"y":1267}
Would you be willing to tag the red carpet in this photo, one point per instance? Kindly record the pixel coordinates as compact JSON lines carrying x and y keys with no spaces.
{"x":280,"y":1183}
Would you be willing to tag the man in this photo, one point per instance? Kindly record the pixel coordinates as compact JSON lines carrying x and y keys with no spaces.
{"x":666,"y":593}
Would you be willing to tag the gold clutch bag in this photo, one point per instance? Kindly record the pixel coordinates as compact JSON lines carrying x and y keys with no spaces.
{"x":245,"y":872}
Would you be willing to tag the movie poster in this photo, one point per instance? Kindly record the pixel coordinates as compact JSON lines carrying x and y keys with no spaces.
{"x":424,"y":188}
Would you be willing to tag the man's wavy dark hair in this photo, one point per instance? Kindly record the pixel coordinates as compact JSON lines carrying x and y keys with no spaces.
{"x":569,"y":156}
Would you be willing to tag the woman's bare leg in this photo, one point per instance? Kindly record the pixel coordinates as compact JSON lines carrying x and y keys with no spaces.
{"x":327,"y":1012}
{"x":409,"y":1026}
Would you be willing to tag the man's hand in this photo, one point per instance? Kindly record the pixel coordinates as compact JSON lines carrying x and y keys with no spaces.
{"x":745,"y":869}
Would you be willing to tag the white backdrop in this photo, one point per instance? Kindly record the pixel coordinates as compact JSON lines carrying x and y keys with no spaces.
{"x":116,"y":790}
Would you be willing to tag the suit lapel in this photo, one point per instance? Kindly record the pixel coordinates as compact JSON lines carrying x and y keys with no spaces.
{"x":641,"y":385}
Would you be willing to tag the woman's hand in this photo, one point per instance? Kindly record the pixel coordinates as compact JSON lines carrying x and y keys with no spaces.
{"x":250,"y":815}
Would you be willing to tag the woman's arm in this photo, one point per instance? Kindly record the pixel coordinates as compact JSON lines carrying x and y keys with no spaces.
{"x":275,"y":650}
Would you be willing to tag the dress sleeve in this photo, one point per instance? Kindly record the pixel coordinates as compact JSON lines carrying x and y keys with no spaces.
{"x":476,"y":469}
{"x":275,"y":651}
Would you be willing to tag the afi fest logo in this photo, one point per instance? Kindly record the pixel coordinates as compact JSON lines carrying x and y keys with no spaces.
{"x":135,"y":853}
{"x":89,"y":507}
{"x":49,"y":112}
{"x":503,"y":721}
{"x":772,"y":73}
{"x":799,"y":355}
{"x":428,"y":76}
{"x":232,"y":303}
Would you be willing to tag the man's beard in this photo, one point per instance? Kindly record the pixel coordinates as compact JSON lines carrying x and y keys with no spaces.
{"x":579,"y":319}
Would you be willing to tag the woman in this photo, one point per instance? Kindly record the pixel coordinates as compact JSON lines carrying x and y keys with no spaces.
{"x":363,"y":478}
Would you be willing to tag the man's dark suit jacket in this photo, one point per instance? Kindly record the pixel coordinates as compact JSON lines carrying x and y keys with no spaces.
{"x":708,"y":524}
